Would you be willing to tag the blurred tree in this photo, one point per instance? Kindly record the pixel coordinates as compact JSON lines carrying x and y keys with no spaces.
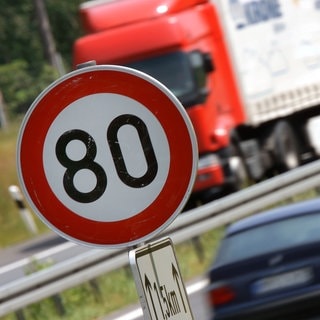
{"x":20,"y":87}
{"x":65,"y":24}
{"x":24,"y":69}
{"x":3,"y":115}
{"x":18,"y":33}
{"x":48,"y":43}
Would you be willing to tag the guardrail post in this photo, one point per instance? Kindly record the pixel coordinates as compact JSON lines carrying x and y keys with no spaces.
{"x":59,"y":305}
{"x":96,"y":289}
{"x":24,"y":212}
{"x":127,"y":271}
{"x":196,"y":241}
{"x":20,"y":315}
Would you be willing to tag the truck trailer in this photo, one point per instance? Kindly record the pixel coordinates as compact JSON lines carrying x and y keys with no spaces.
{"x":246,"y":71}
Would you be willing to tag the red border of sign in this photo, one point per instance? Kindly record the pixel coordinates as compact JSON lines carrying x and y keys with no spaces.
{"x":106,"y":80}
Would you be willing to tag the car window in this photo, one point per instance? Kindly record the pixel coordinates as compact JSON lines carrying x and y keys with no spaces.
{"x":267,"y":238}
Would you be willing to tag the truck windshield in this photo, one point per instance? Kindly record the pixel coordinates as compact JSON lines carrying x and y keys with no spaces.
{"x":173,"y":70}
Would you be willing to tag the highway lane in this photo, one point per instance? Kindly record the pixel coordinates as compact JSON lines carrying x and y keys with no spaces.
{"x":48,"y":248}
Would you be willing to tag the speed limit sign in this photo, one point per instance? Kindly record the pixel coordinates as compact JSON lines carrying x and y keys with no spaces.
{"x":107,"y":156}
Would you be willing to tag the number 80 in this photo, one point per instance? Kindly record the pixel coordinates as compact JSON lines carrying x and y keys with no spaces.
{"x":87,"y":162}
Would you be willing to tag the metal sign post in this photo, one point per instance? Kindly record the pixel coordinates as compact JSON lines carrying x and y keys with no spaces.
{"x":160,"y":286}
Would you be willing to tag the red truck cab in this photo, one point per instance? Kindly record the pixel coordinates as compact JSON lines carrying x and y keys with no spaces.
{"x":181,"y":44}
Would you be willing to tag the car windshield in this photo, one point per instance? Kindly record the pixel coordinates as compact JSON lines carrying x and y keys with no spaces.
{"x":267,"y":238}
{"x":173,"y":70}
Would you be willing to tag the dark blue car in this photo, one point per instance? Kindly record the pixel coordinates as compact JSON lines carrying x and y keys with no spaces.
{"x":268,"y":266}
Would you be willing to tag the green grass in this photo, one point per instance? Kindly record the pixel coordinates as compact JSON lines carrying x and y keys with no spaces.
{"x":13,"y":229}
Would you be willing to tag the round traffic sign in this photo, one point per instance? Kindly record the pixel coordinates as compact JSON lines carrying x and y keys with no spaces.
{"x":107,"y":156}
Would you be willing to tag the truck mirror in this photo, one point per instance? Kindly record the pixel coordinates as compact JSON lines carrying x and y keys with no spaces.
{"x":208,"y":62}
{"x":201,"y":64}
{"x":201,"y":59}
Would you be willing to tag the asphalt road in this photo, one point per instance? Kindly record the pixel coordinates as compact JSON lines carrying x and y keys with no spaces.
{"x":14,"y":260}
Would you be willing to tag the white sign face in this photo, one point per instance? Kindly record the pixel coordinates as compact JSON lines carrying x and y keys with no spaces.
{"x":89,"y":174}
{"x":159,"y":282}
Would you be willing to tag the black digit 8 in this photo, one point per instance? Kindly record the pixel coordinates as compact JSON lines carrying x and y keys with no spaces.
{"x":74,"y":166}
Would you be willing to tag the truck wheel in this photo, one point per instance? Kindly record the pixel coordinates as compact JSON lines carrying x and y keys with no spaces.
{"x":285,"y":147}
{"x":238,"y":169}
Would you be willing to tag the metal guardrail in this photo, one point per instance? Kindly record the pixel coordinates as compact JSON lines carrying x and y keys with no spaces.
{"x":89,"y":265}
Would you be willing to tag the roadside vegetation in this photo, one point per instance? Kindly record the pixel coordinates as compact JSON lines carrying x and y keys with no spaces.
{"x":13,"y":230}
{"x":25,"y":70}
{"x":26,"y":64}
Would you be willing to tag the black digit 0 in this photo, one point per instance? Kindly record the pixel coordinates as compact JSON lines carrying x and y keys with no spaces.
{"x":87,"y":162}
{"x":152,"y":164}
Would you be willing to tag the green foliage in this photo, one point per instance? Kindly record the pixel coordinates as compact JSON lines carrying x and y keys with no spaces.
{"x":20,"y":87}
{"x":13,"y":229}
{"x":24,"y":70}
{"x":66,"y":26}
{"x":37,"y":265}
{"x":19,"y":32}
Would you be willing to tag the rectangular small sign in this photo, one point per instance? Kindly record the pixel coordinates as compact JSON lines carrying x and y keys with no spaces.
{"x":160,"y":286}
